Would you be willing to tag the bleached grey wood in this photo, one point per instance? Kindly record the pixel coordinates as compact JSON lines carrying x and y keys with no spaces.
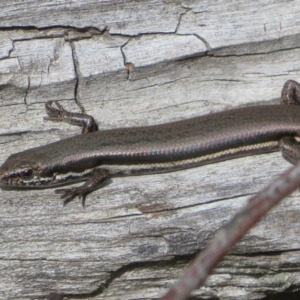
{"x":234,"y":23}
{"x":130,"y":17}
{"x":139,"y":63}
{"x":158,"y":48}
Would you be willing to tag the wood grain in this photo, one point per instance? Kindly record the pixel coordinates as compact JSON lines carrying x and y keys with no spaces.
{"x":131,"y":63}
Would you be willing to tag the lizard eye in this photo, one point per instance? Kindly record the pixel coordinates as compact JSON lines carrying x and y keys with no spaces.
{"x":27,"y":174}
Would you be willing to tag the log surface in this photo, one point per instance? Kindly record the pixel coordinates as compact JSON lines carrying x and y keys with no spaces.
{"x":132,"y":63}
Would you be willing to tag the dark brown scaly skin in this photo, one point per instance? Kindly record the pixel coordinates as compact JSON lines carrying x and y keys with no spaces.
{"x":98,"y":155}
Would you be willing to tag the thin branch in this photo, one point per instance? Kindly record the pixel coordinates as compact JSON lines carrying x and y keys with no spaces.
{"x":231,"y":233}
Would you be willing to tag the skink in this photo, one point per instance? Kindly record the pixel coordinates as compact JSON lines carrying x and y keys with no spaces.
{"x":95,"y":155}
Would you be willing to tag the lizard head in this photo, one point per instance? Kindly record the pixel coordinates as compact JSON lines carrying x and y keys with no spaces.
{"x":19,"y":170}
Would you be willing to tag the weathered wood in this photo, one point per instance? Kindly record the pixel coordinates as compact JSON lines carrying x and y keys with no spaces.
{"x":131,"y":63}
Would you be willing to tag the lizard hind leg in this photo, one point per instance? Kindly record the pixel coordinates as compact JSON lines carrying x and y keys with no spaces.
{"x":290,"y":93}
{"x":290,"y":149}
